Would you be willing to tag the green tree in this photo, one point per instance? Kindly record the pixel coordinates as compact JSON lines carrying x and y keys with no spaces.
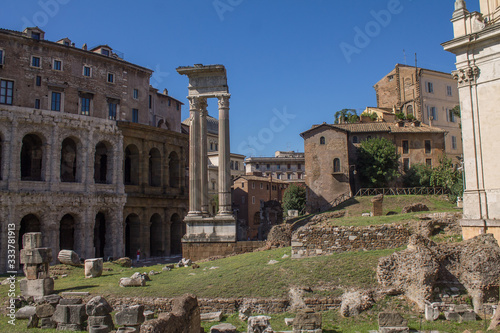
{"x":378,"y":162}
{"x":347,"y":115}
{"x":294,"y":198}
{"x":445,"y":175}
{"x":419,"y":175}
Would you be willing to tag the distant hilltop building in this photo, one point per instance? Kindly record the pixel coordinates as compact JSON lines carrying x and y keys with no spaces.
{"x":425,"y":95}
{"x":476,"y":44}
{"x":288,"y":166}
{"x":92,"y":156}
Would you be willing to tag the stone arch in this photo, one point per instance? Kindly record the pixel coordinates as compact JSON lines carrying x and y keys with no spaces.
{"x":174,"y":171}
{"x":99,"y":234}
{"x":29,"y":223}
{"x":132,"y":235}
{"x":102,"y":163}
{"x":177,"y":231}
{"x":67,"y":232}
{"x":32,"y":157}
{"x":69,"y":163}
{"x":156,"y":240}
{"x":154,"y":167}
{"x":131,"y":165}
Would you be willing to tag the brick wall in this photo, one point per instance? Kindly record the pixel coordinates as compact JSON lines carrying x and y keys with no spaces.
{"x":314,"y":241}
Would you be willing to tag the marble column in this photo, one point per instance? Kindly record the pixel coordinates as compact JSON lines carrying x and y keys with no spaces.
{"x":194,"y":157}
{"x":224,"y":157}
{"x":204,"y":158}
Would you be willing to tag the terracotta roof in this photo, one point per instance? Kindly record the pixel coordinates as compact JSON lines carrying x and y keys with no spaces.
{"x":260,"y":179}
{"x":381,"y":127}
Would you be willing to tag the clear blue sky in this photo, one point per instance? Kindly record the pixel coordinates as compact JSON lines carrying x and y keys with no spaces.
{"x":285,"y":64}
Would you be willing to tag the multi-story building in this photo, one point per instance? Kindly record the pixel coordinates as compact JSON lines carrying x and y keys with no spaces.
{"x":91,"y":155}
{"x":331,"y":155}
{"x":249,"y":191}
{"x":285,"y":165}
{"x":476,"y":44}
{"x":426,"y":95}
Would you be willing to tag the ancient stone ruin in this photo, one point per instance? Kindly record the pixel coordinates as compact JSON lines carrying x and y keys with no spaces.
{"x":35,"y":259}
{"x":378,"y":205}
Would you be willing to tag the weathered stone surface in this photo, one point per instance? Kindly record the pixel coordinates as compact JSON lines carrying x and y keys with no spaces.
{"x":25,"y":312}
{"x":391,"y":319}
{"x":353,"y":303}
{"x":394,"y":330}
{"x":377,"y":205}
{"x":186,"y":307}
{"x":259,"y":324}
{"x":105,"y":320}
{"x":75,"y":293}
{"x":93,"y":267}
{"x":69,"y":327}
{"x":280,"y":235}
{"x":45,"y":310}
{"x":128,"y":282}
{"x":431,"y":313}
{"x":98,"y":329}
{"x":223,"y":328}
{"x":70,"y":301}
{"x":53,"y":299}
{"x":211,"y":316}
{"x":148,"y":315}
{"x":124,"y":262}
{"x":138,"y":275}
{"x":70,"y":314}
{"x":35,"y":256}
{"x":132,"y":315}
{"x":495,"y":320}
{"x":33,"y":321}
{"x":185,"y":262}
{"x":98,"y":306}
{"x":47,"y":323}
{"x":32,"y":240}
{"x":69,"y":257}
{"x":307,"y":320}
{"x":39,"y":287}
{"x":418,"y":207}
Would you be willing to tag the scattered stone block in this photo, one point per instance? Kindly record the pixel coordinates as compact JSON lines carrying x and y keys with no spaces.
{"x":98,"y":306}
{"x":124,"y":262}
{"x":452,"y":316}
{"x":39,"y":287}
{"x":288,"y":321}
{"x":259,"y":324}
{"x":307,"y":321}
{"x":418,"y":207}
{"x":244,"y":312}
{"x":272,"y":262}
{"x":223,"y":328}
{"x":69,"y":314}
{"x":47,"y":323}
{"x":130,"y":329}
{"x":76,"y":293}
{"x":53,"y":299}
{"x":33,"y":321}
{"x":105,"y":320}
{"x":93,"y":268}
{"x":70,"y":301}
{"x":32,"y":240}
{"x":185,"y":262}
{"x":377,"y":205}
{"x":129,"y":316}
{"x":45,"y":310}
{"x":35,"y":256}
{"x":25,"y":312}
{"x":128,"y":282}
{"x":99,"y":329}
{"x":69,"y":327}
{"x":69,"y":257}
{"x":211,"y":316}
{"x":353,"y":303}
{"x":431,"y":312}
{"x":468,"y":316}
{"x":391,"y":322}
{"x":148,"y":314}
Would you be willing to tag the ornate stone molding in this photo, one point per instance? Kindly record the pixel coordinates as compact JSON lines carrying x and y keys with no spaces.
{"x":223,"y":101}
{"x":466,"y":76}
{"x":194,"y":103}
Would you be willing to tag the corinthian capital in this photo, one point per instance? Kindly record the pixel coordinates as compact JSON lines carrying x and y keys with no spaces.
{"x":223,"y":101}
{"x":194,"y":103}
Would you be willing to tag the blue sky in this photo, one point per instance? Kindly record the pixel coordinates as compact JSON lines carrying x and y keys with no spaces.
{"x":290,"y":63}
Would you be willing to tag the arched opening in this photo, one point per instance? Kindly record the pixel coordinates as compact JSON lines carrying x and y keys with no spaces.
{"x":409,"y":110}
{"x":132,"y":235}
{"x":101,"y":164}
{"x":156,"y":247}
{"x":336,"y":165}
{"x":174,"y":169}
{"x":31,"y":158}
{"x":68,"y":161}
{"x":154,"y":167}
{"x":177,"y":231}
{"x":322,"y":140}
{"x":99,"y":235}
{"x":67,"y":233}
{"x":131,"y":167}
{"x":29,"y":223}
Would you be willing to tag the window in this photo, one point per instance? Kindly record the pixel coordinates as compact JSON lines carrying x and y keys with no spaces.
{"x":136,"y":94}
{"x":150,"y":102}
{"x":37,"y":103}
{"x":112,"y":110}
{"x":6,"y":92}
{"x":169,"y":102}
{"x":253,"y":200}
{"x":409,"y":110}
{"x":257,"y":166}
{"x":390,"y":78}
{"x":55,"y":104}
{"x":85,"y":105}
{"x":178,"y":106}
{"x":406,"y":147}
{"x":289,"y":176}
{"x":105,"y":52}
{"x":289,"y":166}
{"x":299,"y":166}
{"x":111,"y":78}
{"x":242,"y":200}
{"x":135,"y":115}
{"x":430,"y":87}
{"x":428,"y":146}
{"x":1,"y":57}
{"x":57,"y":65}
{"x":299,"y":176}
{"x":406,"y":164}
{"x":236,"y":165}
{"x":231,"y":165}
{"x":453,"y":142}
{"x":355,"y":139}
{"x":449,"y":92}
{"x":36,"y":35}
{"x":261,"y":186}
{"x":87,"y":71}
{"x":278,"y":176}
{"x":322,"y":140}
{"x":38,"y":81}
{"x":242,"y":185}
{"x":451,"y":116}
{"x":278,"y":166}
{"x":211,"y":146}
{"x":431,"y":113}
{"x":253,"y":186}
{"x":428,"y":161}
{"x":336,"y":165}
{"x":213,"y":185}
{"x":216,"y":147}
{"x":36,"y":62}
{"x":268,"y":166}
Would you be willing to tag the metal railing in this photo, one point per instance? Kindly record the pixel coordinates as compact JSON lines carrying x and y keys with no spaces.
{"x":402,"y":191}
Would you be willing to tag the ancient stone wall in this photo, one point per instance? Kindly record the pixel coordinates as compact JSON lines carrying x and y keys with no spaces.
{"x":311,"y":241}
{"x":198,"y":251}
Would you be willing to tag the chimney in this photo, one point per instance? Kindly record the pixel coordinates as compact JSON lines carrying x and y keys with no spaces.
{"x":84,"y":47}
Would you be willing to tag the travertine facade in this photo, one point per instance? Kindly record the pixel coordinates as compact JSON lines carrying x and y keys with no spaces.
{"x":65,"y":117}
{"x":476,"y":44}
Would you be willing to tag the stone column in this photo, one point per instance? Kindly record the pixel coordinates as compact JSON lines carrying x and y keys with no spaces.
{"x":224,"y":157}
{"x":204,"y":157}
{"x":194,"y":158}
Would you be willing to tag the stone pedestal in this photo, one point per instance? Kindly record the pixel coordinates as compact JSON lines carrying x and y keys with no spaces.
{"x":36,"y":261}
{"x":378,"y":205}
{"x":93,"y":267}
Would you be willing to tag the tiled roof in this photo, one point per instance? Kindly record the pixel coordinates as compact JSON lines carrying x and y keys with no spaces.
{"x":260,"y":179}
{"x":382,"y":127}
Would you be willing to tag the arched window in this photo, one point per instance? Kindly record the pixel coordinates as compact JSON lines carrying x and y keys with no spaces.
{"x":174,"y":169}
{"x":99,"y":235}
{"x":133,"y":235}
{"x":336,"y":165}
{"x":177,"y":231}
{"x":409,"y":110}
{"x":322,"y":140}
{"x":68,"y":161}
{"x":355,"y":139}
{"x":131,"y":167}
{"x":154,"y":167}
{"x":31,"y":158}
{"x":101,"y":164}
{"x":67,"y":233}
{"x":156,"y":246}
